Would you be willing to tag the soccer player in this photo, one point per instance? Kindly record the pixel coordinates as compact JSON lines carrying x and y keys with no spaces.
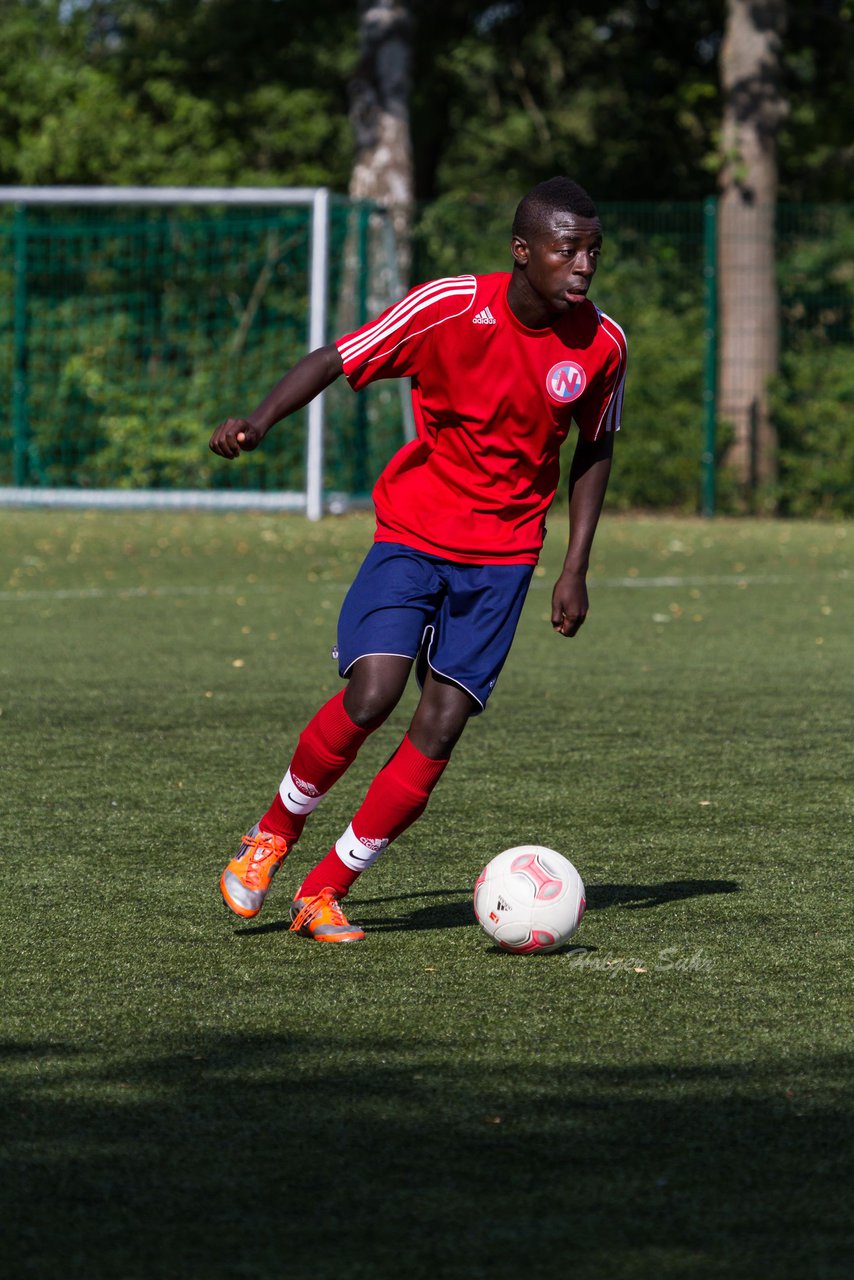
{"x":501,"y":366}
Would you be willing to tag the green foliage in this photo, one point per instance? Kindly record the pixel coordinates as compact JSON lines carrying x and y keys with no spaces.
{"x":813,"y":410}
{"x":813,"y":398}
{"x":817,"y":163}
{"x":513,"y":93}
{"x":652,"y":285}
{"x":625,"y":96}
{"x":171,"y":92}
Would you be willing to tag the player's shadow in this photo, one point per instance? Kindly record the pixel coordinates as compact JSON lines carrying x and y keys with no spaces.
{"x":453,"y":914}
{"x":455,"y":911}
{"x":440,"y":915}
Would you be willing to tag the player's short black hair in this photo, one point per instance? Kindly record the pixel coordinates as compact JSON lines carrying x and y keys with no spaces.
{"x":535,"y":210}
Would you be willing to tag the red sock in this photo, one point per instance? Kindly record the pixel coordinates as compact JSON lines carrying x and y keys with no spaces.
{"x":396,"y":797}
{"x":327,"y":747}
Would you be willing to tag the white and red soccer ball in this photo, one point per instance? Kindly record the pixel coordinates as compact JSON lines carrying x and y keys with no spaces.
{"x":529,"y":898}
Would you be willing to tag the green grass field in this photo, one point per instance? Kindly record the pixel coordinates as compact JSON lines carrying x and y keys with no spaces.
{"x":188,"y":1096}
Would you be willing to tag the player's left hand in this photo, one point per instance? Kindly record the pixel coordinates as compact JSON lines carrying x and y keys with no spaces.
{"x":569,"y":603}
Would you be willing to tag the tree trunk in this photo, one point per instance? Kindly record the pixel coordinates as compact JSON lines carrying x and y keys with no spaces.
{"x":753,"y":107}
{"x":379,"y":114}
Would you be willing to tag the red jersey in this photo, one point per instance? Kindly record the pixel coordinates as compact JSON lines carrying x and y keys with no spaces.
{"x":493,"y":402}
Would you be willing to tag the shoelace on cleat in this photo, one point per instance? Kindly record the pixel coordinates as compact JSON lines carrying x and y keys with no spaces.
{"x":266,"y":844}
{"x":314,"y":907}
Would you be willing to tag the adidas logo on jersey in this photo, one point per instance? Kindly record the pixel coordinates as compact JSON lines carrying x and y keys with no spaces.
{"x":484,"y":317}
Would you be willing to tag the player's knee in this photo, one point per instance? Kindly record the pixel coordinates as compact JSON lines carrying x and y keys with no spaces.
{"x":369,"y":713}
{"x":369,"y":704}
{"x":374,"y":690}
{"x":439,"y":729}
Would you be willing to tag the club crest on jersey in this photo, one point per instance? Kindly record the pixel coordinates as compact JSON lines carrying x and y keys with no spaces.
{"x":565,"y":381}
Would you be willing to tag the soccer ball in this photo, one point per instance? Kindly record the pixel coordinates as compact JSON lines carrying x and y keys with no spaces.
{"x":529,"y":899}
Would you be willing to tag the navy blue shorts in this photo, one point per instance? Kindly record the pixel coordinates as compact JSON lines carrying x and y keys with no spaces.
{"x":458,"y":619}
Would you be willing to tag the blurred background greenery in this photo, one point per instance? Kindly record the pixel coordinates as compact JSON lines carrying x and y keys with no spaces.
{"x":144,"y":327}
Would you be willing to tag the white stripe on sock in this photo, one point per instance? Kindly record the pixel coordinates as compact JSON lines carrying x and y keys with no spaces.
{"x":358,"y":854}
{"x":294,"y":800}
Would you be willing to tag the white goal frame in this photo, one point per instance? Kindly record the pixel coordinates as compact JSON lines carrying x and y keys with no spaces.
{"x":310,"y":501}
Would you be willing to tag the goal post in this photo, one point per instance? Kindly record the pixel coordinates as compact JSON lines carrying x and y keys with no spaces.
{"x":116,"y":351}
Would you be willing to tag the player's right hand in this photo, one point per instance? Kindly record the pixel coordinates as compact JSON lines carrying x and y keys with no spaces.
{"x":235,"y":436}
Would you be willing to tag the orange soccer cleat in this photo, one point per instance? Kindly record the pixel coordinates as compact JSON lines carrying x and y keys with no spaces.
{"x":320,"y":917}
{"x":246,"y":880}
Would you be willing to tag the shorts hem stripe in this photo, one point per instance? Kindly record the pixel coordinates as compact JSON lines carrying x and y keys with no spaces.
{"x":380,"y":653}
{"x":428,"y":645}
{"x":458,"y":683}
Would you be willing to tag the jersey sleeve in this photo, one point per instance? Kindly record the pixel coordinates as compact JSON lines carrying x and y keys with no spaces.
{"x":600,"y":409}
{"x":392,"y":346}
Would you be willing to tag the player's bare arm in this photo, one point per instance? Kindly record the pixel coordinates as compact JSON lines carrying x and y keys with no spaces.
{"x":311,"y":375}
{"x":588,"y":480}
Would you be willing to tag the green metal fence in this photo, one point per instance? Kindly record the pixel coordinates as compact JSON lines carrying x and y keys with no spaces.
{"x":126,"y":334}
